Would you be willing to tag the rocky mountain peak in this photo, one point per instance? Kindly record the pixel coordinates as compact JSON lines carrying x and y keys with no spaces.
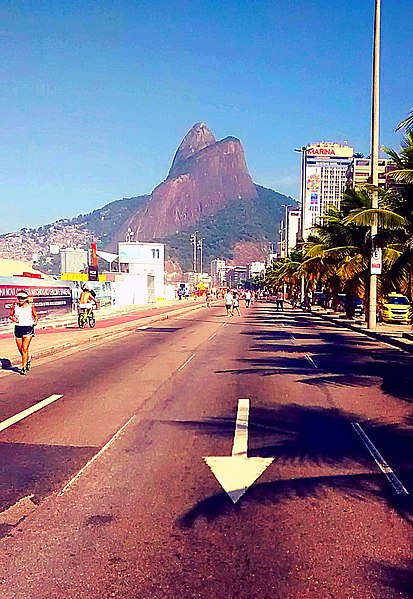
{"x":197,"y":138}
{"x":205,"y":176}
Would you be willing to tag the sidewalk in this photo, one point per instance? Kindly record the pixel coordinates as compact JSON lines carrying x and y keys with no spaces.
{"x":57,"y":334}
{"x":398,"y":335}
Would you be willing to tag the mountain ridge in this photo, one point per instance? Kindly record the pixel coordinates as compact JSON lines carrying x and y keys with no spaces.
{"x":208,"y":187}
{"x":204,"y":176}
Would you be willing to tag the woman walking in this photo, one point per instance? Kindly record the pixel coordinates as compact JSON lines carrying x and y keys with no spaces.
{"x":235,"y":304}
{"x":25,"y":317}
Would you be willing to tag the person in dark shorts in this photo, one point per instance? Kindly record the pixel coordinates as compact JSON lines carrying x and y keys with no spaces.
{"x":24,"y":315}
{"x":280,"y":301}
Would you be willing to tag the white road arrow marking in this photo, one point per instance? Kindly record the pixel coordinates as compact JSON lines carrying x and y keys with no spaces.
{"x":238,"y":472}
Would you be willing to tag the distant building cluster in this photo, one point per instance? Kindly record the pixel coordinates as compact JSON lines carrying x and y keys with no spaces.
{"x":44,"y":244}
{"x":225,"y":275}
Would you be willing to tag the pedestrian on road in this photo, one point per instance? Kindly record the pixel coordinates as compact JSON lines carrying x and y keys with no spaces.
{"x":229,"y":299}
{"x":235,"y":303}
{"x":247,"y":298}
{"x":24,"y":315}
{"x":280,"y":302}
{"x":208,"y":298}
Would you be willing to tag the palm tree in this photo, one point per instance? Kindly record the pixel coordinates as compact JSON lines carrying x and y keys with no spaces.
{"x":284,"y":271}
{"x":403,"y":173}
{"x":400,"y":200}
{"x":407,"y":123}
{"x":339,"y":252}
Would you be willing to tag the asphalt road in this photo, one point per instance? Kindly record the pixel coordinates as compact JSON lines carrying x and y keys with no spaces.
{"x":105,"y":491}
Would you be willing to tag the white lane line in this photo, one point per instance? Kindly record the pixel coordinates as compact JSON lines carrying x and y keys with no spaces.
{"x":380,"y":461}
{"x":186,"y":362}
{"x":212,"y":336}
{"x":38,"y":406}
{"x":95,"y":457}
{"x":310,"y":359}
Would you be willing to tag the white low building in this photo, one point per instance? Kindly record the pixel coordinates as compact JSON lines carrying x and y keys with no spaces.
{"x":255,"y":269}
{"x":142,"y":266}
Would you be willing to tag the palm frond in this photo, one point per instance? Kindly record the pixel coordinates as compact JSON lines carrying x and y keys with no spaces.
{"x":406,"y":123}
{"x":402,"y":175}
{"x":385,"y":219}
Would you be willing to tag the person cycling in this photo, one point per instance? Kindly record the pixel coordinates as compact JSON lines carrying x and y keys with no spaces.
{"x":87,"y":300}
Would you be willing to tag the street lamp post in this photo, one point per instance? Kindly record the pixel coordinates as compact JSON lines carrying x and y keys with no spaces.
{"x":286,"y":206}
{"x":303,"y":152}
{"x":201,"y":247}
{"x":281,"y":231}
{"x":194,"y":241}
{"x":372,"y":308}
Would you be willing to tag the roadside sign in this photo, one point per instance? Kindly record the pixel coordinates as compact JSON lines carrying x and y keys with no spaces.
{"x":93,"y":274}
{"x":376,"y":262}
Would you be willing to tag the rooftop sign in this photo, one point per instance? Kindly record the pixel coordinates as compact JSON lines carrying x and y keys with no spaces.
{"x":326,"y":150}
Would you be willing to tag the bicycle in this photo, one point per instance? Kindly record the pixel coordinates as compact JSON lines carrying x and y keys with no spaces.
{"x":85,"y":317}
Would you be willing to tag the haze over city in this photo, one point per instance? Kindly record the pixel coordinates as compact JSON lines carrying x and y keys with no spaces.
{"x":97,"y":96}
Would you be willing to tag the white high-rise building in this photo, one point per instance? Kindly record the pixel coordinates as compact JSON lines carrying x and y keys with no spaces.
{"x":323,"y":180}
{"x":294,"y":226}
{"x":255,"y":269}
{"x":218,"y":271}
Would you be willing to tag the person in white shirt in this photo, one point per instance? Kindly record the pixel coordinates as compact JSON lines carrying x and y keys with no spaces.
{"x":25,"y":317}
{"x":229,"y":299}
{"x":235,"y":304}
{"x":247,"y":298}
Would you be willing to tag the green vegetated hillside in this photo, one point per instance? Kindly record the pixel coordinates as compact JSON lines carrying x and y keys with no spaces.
{"x":105,"y":222}
{"x":242,"y":220}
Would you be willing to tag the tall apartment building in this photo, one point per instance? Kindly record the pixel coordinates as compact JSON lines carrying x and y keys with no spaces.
{"x":323,"y":180}
{"x":359,"y":172}
{"x":255,"y":269}
{"x":237,"y":275}
{"x":218,"y":272}
{"x":294,"y":228}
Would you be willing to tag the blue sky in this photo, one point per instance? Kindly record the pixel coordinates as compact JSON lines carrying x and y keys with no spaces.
{"x":98,"y":94}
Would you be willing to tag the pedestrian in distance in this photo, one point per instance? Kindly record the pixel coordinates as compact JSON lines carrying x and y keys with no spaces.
{"x":235,"y":304}
{"x":280,"y":301}
{"x":229,"y":299}
{"x":24,"y":315}
{"x":208,"y":298}
{"x":247,"y":298}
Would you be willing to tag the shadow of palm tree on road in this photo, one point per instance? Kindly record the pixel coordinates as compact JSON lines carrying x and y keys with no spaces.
{"x":342,"y":359}
{"x":316,"y":447}
{"x":320,"y":439}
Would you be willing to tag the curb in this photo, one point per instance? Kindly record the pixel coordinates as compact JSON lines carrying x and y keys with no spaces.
{"x":383,"y":337}
{"x":106,"y":335}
